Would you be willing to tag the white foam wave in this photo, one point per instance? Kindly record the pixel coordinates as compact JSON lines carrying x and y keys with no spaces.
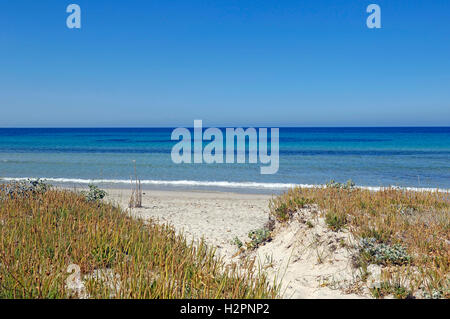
{"x":162,"y":182}
{"x":190,"y":183}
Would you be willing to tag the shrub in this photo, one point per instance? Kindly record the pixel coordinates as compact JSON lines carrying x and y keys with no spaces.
{"x":258,"y":236}
{"x":23,"y":189}
{"x":283,"y":209}
{"x":333,"y":184}
{"x":434,"y":294}
{"x":386,"y":288}
{"x":94,"y":194}
{"x":335,"y":221}
{"x":236,"y":241}
{"x":380,"y":253}
{"x":282,"y":213}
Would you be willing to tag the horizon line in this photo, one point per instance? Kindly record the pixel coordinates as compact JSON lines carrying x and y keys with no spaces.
{"x":221,"y":126}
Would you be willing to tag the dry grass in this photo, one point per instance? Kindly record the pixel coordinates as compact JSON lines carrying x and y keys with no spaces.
{"x":42,"y":233}
{"x":407,"y":232}
{"x":136,"y":191}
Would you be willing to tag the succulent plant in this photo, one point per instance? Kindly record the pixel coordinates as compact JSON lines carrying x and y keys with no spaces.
{"x":381,"y":253}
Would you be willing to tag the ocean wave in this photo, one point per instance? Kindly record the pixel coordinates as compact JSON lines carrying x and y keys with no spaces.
{"x":163,"y":182}
{"x":219,"y":184}
{"x":168,"y":150}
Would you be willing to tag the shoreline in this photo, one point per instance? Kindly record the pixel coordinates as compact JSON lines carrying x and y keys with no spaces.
{"x":204,"y":186}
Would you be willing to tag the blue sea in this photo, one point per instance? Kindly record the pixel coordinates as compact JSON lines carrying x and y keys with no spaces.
{"x":405,"y":157}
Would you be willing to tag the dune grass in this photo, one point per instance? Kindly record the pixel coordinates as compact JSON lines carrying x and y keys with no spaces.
{"x":407,"y":232}
{"x":43,"y":231}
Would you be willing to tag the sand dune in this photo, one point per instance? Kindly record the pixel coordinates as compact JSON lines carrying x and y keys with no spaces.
{"x":311,"y":261}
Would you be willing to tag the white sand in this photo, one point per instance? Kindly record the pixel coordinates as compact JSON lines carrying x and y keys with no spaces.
{"x":217,"y":217}
{"x":311,"y":261}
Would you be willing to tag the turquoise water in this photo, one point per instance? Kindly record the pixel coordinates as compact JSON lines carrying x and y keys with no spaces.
{"x":407,"y":157}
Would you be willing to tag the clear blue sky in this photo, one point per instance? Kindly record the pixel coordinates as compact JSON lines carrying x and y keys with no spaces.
{"x":280,"y":63}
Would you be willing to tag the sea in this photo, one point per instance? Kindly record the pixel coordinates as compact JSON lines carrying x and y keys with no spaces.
{"x":372,"y":157}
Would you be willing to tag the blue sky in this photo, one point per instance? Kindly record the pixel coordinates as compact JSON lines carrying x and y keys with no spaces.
{"x":277,"y":63}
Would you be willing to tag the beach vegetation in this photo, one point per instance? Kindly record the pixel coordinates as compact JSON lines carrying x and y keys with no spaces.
{"x":333,"y":184}
{"x":136,"y":191}
{"x":45,"y":236}
{"x":284,"y":210}
{"x":386,"y":288}
{"x":335,"y":221}
{"x":20,"y":189}
{"x":406,"y":232}
{"x":381,"y":253}
{"x":236,"y":241}
{"x":94,"y":194}
{"x":258,"y":237}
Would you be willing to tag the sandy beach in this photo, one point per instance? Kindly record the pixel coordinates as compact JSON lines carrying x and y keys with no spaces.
{"x":291,"y":256}
{"x":216,"y":217}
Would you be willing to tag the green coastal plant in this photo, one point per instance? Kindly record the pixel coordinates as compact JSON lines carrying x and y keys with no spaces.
{"x":94,"y":194}
{"x":381,"y":253}
{"x":333,"y":184}
{"x":283,"y":211}
{"x":386,"y":288}
{"x":335,"y":221}
{"x":25,"y":188}
{"x":236,"y":241}
{"x":257,"y":237}
{"x":44,"y":235}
